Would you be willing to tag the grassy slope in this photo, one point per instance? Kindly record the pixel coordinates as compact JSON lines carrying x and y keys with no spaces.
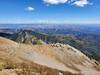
{"x":42,"y":58}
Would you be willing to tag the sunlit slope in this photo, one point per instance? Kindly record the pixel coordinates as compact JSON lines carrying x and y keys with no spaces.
{"x":55,"y":56}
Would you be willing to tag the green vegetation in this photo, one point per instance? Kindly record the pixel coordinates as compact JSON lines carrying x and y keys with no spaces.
{"x":38,"y":42}
{"x":1,"y":66}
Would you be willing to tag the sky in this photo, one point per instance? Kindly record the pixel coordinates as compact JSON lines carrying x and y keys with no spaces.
{"x":50,"y":11}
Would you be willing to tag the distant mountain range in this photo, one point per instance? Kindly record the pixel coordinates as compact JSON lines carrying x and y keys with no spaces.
{"x":85,"y":38}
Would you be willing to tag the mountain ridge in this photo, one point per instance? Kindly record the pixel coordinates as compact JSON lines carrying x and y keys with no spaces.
{"x":56,"y":56}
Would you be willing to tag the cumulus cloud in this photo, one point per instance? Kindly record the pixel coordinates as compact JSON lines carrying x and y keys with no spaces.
{"x":29,"y":8}
{"x":55,"y":1}
{"x":80,"y":3}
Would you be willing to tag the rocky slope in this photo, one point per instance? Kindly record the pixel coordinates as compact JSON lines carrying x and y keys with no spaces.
{"x":50,"y":59}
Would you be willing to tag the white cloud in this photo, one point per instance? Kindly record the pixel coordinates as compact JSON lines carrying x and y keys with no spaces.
{"x":55,"y":1}
{"x":29,"y":8}
{"x":80,"y":3}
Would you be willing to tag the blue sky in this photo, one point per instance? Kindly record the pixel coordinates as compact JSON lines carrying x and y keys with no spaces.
{"x":52,"y":11}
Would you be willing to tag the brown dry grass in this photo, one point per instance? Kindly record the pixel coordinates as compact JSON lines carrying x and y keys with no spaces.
{"x":4,"y":41}
{"x":25,"y":67}
{"x":30,"y":68}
